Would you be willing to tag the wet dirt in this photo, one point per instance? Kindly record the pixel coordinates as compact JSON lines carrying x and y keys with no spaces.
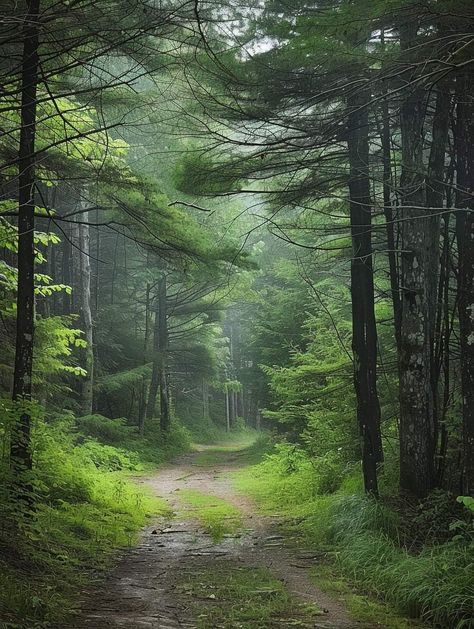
{"x":143,"y":590}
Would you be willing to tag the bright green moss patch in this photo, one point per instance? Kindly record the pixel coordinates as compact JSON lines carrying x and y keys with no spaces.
{"x":217,"y":516}
{"x":230,"y":596}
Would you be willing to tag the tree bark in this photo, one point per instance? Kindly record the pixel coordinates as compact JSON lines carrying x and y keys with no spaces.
{"x":205,"y":399}
{"x":142,"y":401}
{"x":20,"y":449}
{"x":416,"y":396}
{"x":159,"y":375}
{"x":155,"y":373}
{"x":165,"y":411}
{"x":465,"y":279}
{"x":435,"y":190}
{"x":227,"y":411}
{"x":390,"y":220}
{"x":364,"y":331}
{"x":83,"y":305}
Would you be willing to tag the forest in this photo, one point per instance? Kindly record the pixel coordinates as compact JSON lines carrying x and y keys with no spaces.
{"x":236,"y":314}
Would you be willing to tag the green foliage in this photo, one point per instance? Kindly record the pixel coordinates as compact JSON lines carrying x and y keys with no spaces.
{"x":288,"y":477}
{"x":434,"y":582}
{"x":111,"y":431}
{"x":110,"y":458}
{"x":130,"y":448}
{"x":84,"y":508}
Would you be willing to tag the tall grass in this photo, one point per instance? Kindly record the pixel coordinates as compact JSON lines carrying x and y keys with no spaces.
{"x":84,"y":508}
{"x":435,"y":583}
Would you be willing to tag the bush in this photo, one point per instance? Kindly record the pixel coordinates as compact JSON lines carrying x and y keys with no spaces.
{"x":108,"y":457}
{"x":110,"y":431}
{"x":435,"y":584}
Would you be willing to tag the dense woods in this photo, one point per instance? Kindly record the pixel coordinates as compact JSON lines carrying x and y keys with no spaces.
{"x":220,"y":219}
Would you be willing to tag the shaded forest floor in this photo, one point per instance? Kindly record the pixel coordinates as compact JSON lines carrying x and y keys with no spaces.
{"x":216,"y":562}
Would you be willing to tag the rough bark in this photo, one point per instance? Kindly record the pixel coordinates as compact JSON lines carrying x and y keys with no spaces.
{"x":390,"y":221}
{"x":20,"y":450}
{"x":416,"y":396}
{"x":465,"y":278}
{"x":82,"y":302}
{"x":142,"y":400}
{"x":435,"y":189}
{"x":227,"y":411}
{"x":155,"y":374}
{"x":205,"y":399}
{"x":364,"y":331}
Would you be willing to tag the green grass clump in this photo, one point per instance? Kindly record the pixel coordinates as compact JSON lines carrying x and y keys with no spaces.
{"x":435,"y":583}
{"x":47,"y":556}
{"x":217,"y":516}
{"x":367,"y":611}
{"x":232,"y":596}
{"x":83,"y":508}
{"x":154,"y":447}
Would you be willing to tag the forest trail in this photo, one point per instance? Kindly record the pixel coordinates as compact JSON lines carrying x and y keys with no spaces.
{"x":152,"y":584}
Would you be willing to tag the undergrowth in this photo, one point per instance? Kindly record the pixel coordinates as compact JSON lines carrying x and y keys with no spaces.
{"x":367,"y":538}
{"x":83,"y":507}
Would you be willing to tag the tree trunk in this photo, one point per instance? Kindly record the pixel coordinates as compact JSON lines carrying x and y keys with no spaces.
{"x":205,"y":399}
{"x":434,"y":202}
{"x":227,"y":411}
{"x":390,"y":220}
{"x":83,"y":305}
{"x":155,"y":373}
{"x":165,"y":413}
{"x":20,"y":450}
{"x":364,"y":331}
{"x":159,"y":376}
{"x":416,"y":396}
{"x":465,"y":287}
{"x":142,"y":401}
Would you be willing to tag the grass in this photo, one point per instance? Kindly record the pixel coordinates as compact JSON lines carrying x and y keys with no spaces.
{"x":230,"y":596}
{"x":85,"y":508}
{"x":217,"y":516}
{"x":246,"y":451}
{"x":435,"y":583}
{"x":365,"y":609}
{"x":47,"y":559}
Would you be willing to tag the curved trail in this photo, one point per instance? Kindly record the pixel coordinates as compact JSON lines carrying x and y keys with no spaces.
{"x":143,"y":590}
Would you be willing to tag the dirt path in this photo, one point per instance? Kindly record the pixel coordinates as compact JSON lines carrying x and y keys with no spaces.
{"x":144,"y":589}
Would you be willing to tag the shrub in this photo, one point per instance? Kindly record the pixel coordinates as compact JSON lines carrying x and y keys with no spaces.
{"x":110,"y":431}
{"x":108,"y":457}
